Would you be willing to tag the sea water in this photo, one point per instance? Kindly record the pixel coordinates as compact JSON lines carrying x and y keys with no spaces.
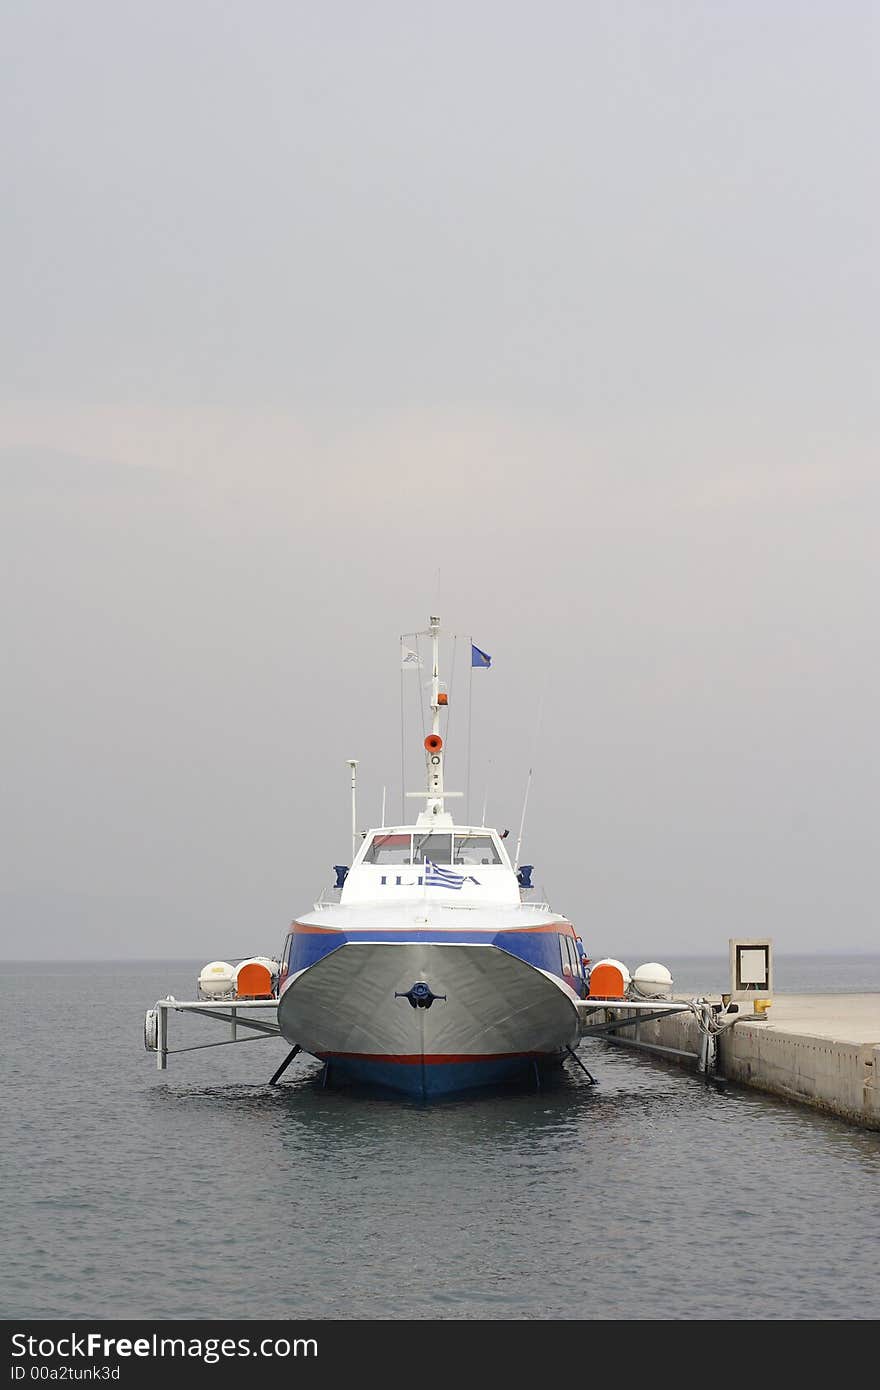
{"x":201,"y":1192}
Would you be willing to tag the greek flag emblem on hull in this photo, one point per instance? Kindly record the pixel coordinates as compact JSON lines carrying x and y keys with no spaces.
{"x":438,"y":877}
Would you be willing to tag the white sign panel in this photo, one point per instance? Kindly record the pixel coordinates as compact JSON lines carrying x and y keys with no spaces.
{"x":753,"y":967}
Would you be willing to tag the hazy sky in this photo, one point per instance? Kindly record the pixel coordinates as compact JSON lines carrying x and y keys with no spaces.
{"x":576,"y":302}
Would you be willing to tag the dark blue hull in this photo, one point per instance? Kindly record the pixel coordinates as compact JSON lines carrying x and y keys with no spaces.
{"x":423,"y":1079}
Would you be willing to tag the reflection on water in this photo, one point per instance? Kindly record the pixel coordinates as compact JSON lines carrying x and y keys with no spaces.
{"x":201,"y":1192}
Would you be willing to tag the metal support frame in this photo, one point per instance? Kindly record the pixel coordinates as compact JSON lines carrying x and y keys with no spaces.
{"x":574,"y":1057}
{"x":708,"y":1052}
{"x":611,"y":1026}
{"x":162,"y":1038}
{"x":222,"y":1011}
{"x":648,"y":1011}
{"x":237,"y":1013}
{"x":654,"y":1047}
{"x":284,"y":1065}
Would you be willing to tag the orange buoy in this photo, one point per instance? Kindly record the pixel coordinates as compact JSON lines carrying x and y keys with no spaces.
{"x":253,"y":981}
{"x":606,"y":982}
{"x":433,"y":743}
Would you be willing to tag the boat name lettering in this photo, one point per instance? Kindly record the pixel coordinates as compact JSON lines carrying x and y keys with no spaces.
{"x":398,"y":881}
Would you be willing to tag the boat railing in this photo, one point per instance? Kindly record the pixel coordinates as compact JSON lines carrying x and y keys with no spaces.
{"x":332,"y":896}
{"x":329,"y":897}
{"x":531,"y":897}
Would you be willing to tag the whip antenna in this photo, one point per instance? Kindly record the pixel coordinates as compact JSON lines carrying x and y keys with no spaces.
{"x":529,"y":778}
{"x":522,"y":820}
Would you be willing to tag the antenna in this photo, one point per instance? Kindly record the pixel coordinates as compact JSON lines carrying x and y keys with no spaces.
{"x":522,"y":820}
{"x":353,"y":762}
{"x":529,"y":778}
{"x":486,"y":790}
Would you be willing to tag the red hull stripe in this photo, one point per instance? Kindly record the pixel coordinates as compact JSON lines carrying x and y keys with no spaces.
{"x":432,"y":1059}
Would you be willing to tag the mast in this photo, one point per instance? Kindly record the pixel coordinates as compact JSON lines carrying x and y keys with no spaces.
{"x":435,"y":810}
{"x":434,"y":743}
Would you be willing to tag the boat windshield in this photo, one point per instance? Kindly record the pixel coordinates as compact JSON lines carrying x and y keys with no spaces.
{"x":433,"y":846}
{"x":389,"y":849}
{"x":475,"y":849}
{"x":436,"y":846}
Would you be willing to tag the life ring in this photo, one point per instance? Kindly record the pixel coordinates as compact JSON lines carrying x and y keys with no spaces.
{"x":433,"y":743}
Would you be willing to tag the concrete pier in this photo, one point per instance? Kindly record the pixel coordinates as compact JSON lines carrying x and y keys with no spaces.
{"x":822,"y":1050}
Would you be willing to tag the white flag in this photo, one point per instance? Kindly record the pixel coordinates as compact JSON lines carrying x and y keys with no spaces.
{"x":409,"y":661}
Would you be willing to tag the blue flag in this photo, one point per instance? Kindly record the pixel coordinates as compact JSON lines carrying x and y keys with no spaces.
{"x":479,"y":658}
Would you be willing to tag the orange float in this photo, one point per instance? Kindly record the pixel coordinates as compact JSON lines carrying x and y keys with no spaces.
{"x":606,"y":982}
{"x":254,"y":981}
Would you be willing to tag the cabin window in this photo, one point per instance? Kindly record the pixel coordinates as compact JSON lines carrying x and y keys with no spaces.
{"x":566,"y":951}
{"x":389,"y":849}
{"x":285,"y":960}
{"x":437,"y":848}
{"x":475,"y":849}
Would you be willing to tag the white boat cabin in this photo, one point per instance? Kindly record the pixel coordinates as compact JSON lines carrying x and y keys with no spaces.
{"x":452,"y":864}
